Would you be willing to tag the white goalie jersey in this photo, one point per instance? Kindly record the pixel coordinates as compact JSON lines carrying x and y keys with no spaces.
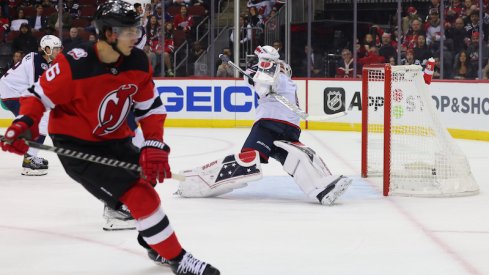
{"x":22,"y":75}
{"x":269,"y":107}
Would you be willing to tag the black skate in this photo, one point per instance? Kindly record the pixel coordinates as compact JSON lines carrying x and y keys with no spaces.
{"x":192,"y":266}
{"x":334,"y":190}
{"x":155,"y":257}
{"x":34,"y":166}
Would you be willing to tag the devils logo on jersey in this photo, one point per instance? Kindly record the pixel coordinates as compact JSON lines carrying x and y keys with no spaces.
{"x":78,"y":53}
{"x":114,"y":108}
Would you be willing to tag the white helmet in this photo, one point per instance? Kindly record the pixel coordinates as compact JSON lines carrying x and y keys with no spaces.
{"x":268,"y":53}
{"x":50,"y":41}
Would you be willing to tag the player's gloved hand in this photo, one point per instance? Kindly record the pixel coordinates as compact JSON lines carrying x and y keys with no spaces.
{"x":20,"y":129}
{"x":154,"y":161}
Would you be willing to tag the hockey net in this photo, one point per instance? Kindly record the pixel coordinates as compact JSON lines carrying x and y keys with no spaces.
{"x":404,"y":141}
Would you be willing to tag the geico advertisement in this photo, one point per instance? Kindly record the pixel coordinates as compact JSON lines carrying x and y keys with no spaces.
{"x":459,"y":105}
{"x":212,"y":98}
{"x":207,"y":99}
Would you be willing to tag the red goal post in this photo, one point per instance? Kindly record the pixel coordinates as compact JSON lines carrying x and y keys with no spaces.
{"x":403,"y":139}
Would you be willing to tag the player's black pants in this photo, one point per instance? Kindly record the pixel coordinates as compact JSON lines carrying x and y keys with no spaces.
{"x":265,"y":132}
{"x":104,"y":182}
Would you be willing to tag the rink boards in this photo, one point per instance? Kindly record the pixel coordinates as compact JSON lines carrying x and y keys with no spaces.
{"x":463,"y":106}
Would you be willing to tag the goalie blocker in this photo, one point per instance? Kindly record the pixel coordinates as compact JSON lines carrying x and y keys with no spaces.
{"x":234,"y":171}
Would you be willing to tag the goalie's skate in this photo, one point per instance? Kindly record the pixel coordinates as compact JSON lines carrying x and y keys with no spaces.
{"x":120,"y":219}
{"x":34,"y":166}
{"x":334,"y":190}
{"x":192,"y":266}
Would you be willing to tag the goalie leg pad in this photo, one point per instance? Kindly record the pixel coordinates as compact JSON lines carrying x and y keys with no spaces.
{"x":311,"y":173}
{"x":221,"y":176}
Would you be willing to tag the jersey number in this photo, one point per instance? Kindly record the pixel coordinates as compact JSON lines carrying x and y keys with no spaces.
{"x":52,"y":72}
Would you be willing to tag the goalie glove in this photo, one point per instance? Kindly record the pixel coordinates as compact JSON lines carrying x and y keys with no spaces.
{"x":154,"y":161}
{"x":429,"y":70}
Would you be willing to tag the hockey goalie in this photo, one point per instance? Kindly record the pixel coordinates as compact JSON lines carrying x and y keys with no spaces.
{"x":274,"y":134}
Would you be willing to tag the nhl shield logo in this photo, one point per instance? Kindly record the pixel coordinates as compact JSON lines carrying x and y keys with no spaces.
{"x":334,"y":100}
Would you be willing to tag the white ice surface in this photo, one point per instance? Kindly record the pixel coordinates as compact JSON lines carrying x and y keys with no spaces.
{"x":50,"y":225}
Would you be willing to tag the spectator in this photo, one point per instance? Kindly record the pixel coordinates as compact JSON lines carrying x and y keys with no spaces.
{"x":264,"y":7}
{"x":317,"y":63}
{"x":412,"y":14}
{"x":345,"y":67}
{"x":4,"y":25}
{"x":25,"y":42}
{"x":461,"y":69}
{"x":159,"y":12}
{"x":169,"y":47}
{"x":153,"y":29}
{"x":46,"y":4}
{"x":453,"y":11}
{"x":387,"y":50}
{"x":277,"y":44}
{"x":195,"y":53}
{"x":433,"y":30}
{"x":437,"y":70}
{"x":92,"y":38}
{"x":368,"y":42}
{"x":72,"y":8}
{"x":473,"y":24}
{"x":456,"y":36}
{"x":151,"y":56}
{"x":434,"y":5}
{"x":422,"y":53}
{"x":467,"y":9}
{"x":392,"y":60}
{"x":39,"y":22}
{"x":409,"y":59}
{"x":244,"y":37}
{"x":485,"y":72}
{"x":73,"y":39}
{"x":66,"y":20}
{"x":182,"y":2}
{"x":372,"y":57}
{"x":224,"y":70}
{"x":227,"y":52}
{"x":16,"y":57}
{"x":473,"y":54}
{"x":411,"y":37}
{"x":18,"y":21}
{"x":183,"y":21}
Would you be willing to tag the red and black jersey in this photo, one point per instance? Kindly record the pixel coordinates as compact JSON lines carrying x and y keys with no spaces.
{"x":90,"y":100}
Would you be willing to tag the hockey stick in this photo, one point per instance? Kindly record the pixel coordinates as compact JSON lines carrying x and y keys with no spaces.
{"x":280,"y":98}
{"x":92,"y":158}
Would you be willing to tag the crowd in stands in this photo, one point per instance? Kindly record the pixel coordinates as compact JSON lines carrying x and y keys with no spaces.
{"x":421,"y":34}
{"x":23,"y":23}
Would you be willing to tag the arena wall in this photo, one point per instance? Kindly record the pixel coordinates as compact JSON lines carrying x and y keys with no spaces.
{"x":211,"y":102}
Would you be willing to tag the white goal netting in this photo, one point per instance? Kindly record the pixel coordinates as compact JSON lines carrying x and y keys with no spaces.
{"x":423,"y":158}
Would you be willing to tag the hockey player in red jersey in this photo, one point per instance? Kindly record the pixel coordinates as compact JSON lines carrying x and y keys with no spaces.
{"x":90,"y":91}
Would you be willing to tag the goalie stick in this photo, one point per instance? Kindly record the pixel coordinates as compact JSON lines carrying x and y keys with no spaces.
{"x":294,"y":108}
{"x":92,"y":158}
